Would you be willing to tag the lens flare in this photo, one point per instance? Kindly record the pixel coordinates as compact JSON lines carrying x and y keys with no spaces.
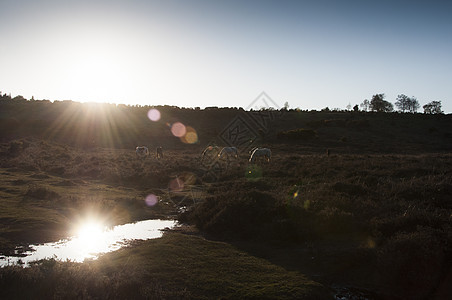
{"x":151,"y":200}
{"x":178,"y":129}
{"x":190,"y":137}
{"x":370,"y":243}
{"x":154,"y":114}
{"x":253,"y":173}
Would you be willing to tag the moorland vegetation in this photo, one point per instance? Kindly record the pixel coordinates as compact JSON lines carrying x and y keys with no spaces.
{"x":351,"y":199}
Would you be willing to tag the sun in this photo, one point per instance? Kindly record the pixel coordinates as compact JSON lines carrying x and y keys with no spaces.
{"x":94,"y":76}
{"x":97,"y":70}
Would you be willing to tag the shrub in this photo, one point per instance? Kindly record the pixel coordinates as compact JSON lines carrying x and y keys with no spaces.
{"x":57,"y":170}
{"x":358,"y":124}
{"x":40,"y":192}
{"x":413,"y":262}
{"x":349,"y":189}
{"x":297,"y":134}
{"x":252,"y":214}
{"x":339,"y":123}
{"x":335,"y":220}
{"x":15,"y":148}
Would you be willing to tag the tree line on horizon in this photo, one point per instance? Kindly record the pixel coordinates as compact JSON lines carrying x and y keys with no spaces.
{"x":403,"y":104}
{"x":376,"y":104}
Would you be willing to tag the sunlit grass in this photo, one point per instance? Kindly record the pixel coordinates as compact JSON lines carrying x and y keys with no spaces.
{"x":42,"y":207}
{"x":173,"y":267}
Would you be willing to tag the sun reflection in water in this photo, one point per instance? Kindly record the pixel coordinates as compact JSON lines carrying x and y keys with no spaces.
{"x":90,"y":232}
{"x":92,"y":238}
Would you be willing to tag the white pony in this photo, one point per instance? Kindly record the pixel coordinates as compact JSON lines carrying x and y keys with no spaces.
{"x":142,"y":151}
{"x":210,"y":151}
{"x":261,"y":153}
{"x":228,"y":152}
{"x":252,"y":150}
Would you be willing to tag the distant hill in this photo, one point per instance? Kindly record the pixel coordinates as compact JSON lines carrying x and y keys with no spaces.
{"x":121,"y":126}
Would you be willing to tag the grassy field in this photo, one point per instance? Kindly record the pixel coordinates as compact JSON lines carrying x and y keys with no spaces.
{"x":177,"y":266}
{"x":51,"y":192}
{"x":376,"y":221}
{"x":373,"y":216}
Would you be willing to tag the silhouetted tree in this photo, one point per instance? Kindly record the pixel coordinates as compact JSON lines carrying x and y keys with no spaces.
{"x":5,"y":96}
{"x":349,"y":106}
{"x":414,"y":105}
{"x":19,"y":98}
{"x":405,"y":103}
{"x":355,"y":108}
{"x":402,"y":102}
{"x":365,"y":105}
{"x":378,"y":104}
{"x":433,"y":107}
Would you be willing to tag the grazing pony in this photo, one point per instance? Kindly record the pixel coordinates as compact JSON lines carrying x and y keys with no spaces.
{"x":252,"y":150}
{"x":261,"y":153}
{"x":159,"y":152}
{"x":228,"y":152}
{"x":210,"y":151}
{"x":142,"y":151}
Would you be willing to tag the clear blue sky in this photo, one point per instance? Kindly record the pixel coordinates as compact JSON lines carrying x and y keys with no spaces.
{"x":312,"y":54}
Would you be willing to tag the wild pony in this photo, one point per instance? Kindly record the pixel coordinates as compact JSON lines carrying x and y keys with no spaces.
{"x":159,"y":152}
{"x":210,"y":152}
{"x":252,"y":150}
{"x":228,"y":152}
{"x":142,"y":151}
{"x":260,"y":153}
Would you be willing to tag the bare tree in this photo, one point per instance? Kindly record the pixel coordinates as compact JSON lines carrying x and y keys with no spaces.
{"x":414,"y":105}
{"x":402,"y":102}
{"x":405,"y":103}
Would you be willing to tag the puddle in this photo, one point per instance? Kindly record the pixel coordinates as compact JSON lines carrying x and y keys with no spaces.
{"x":91,"y":245}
